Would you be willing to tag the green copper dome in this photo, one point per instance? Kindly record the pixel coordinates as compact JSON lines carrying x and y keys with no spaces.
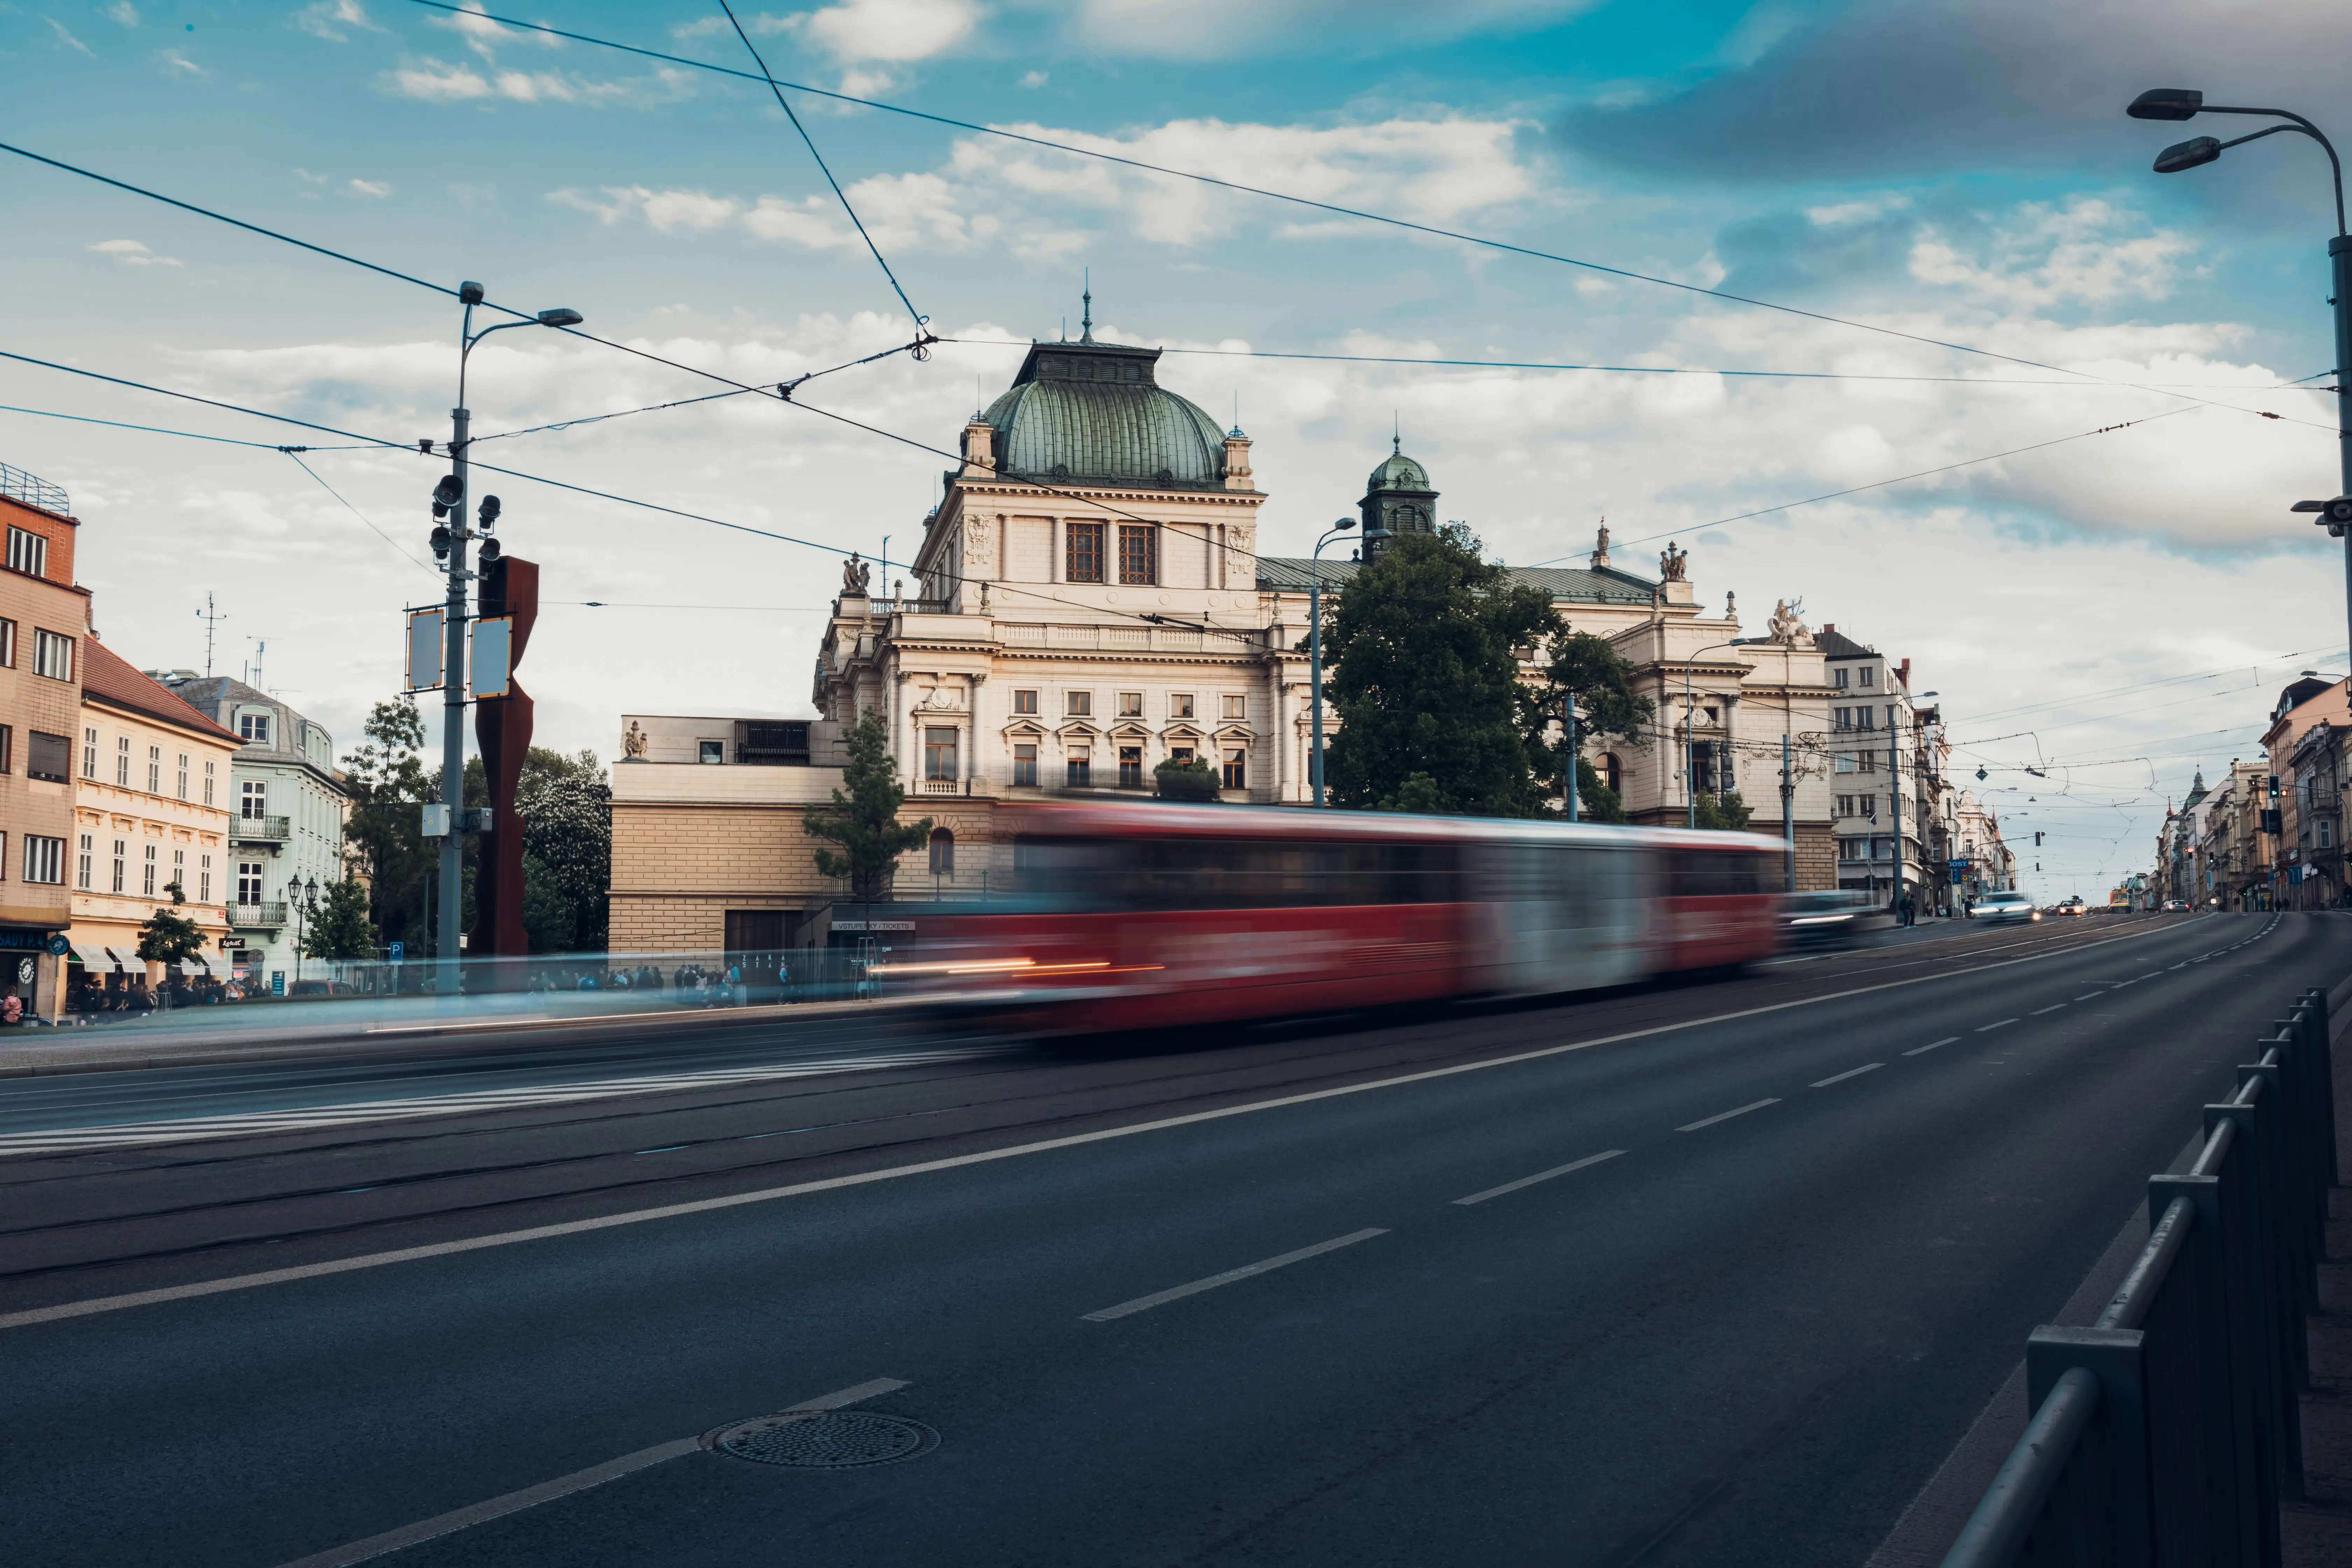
{"x":1093,"y":411}
{"x":1397,"y":472}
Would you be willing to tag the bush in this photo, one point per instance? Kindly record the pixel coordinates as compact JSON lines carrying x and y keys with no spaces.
{"x":1192,"y":781}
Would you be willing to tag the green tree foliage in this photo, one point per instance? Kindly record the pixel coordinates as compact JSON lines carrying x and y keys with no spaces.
{"x":387,"y":782}
{"x":168,"y":936}
{"x":1435,"y":716}
{"x":1724,"y":814}
{"x":566,"y":804}
{"x":863,"y":820}
{"x":1194,"y":781}
{"x":1595,"y":801}
{"x":341,"y":928}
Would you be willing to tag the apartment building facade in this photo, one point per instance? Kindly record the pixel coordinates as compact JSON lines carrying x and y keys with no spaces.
{"x":285,"y":832}
{"x":44,"y":627}
{"x":150,"y":809}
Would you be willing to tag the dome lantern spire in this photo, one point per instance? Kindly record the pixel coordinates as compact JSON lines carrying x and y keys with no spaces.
{"x":1086,"y":321}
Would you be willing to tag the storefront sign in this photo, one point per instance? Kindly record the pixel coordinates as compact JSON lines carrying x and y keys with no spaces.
{"x":24,"y":938}
{"x":873,"y":925}
{"x":278,"y":982}
{"x":231,"y":943}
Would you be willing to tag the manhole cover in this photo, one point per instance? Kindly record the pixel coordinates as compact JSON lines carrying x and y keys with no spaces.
{"x":826,"y":1439}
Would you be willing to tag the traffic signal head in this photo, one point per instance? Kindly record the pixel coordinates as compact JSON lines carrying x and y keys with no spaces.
{"x":449,"y":492}
{"x":2274,"y":786}
{"x":441,"y":540}
{"x":489,"y":512}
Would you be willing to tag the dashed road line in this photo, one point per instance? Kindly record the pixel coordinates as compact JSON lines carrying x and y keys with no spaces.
{"x":1726,"y":1116}
{"x":1178,"y":1292}
{"x":1538,"y":1177}
{"x":1987,"y":1028}
{"x":1841,"y":1078}
{"x":2051,"y":1008}
{"x":1938,"y":1044}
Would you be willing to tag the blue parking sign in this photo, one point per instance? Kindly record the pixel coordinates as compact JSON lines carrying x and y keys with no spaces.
{"x":395,"y":950}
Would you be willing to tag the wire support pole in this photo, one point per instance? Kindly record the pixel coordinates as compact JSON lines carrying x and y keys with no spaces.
{"x":1315,"y":656}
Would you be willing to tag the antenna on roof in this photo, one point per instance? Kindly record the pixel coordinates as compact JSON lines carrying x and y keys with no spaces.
{"x":253,"y":675}
{"x":1087,"y":323}
{"x":1396,"y":436}
{"x":210,"y":619}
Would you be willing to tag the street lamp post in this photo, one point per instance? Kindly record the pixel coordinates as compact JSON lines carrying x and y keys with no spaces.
{"x":1315,"y":651}
{"x":1690,"y":762}
{"x":305,"y":910}
{"x":2184,"y":103}
{"x":449,"y":541}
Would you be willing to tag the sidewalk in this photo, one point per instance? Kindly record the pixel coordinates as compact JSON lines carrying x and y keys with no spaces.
{"x":2315,"y":1530}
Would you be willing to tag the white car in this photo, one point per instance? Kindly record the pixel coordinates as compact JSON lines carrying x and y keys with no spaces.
{"x":2005,"y":907}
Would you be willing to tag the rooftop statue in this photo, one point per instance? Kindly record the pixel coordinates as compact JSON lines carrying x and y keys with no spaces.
{"x":1788,"y":622}
{"x":1673,"y":564}
{"x":633,"y":744}
{"x":855,"y":576}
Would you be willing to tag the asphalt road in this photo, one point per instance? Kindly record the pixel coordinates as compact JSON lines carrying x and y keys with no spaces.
{"x":1708,"y":1274}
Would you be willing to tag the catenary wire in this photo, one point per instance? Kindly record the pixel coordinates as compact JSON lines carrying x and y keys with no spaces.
{"x":355,"y":511}
{"x":810,"y":142}
{"x":1899,"y":478}
{"x":1235,"y":185}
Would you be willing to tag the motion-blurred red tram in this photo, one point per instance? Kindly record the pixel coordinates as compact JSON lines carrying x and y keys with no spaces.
{"x":1126,"y":916}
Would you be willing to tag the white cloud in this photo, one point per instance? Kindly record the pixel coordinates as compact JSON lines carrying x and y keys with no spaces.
{"x":1212,"y":30}
{"x":438,"y":81}
{"x":900,"y":30}
{"x":1438,"y":171}
{"x":176,"y":61}
{"x":370,"y":188}
{"x":67,"y":37}
{"x":2080,"y":253}
{"x":123,"y":13}
{"x":328,"y":19}
{"x":131,"y":253}
{"x":482,"y":34}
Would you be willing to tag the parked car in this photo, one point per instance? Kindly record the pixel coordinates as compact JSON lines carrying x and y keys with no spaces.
{"x":2004,"y":907}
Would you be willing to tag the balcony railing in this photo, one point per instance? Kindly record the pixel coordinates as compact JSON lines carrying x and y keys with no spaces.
{"x":256,"y":915}
{"x":262,"y":829}
{"x":33,"y":490}
{"x":1129,"y":639}
{"x":941,"y":787}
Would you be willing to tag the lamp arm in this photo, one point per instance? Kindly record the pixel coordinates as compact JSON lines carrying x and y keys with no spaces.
{"x":2334,"y":165}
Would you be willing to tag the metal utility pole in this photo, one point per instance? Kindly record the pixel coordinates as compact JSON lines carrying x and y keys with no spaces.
{"x":1895,"y":800}
{"x":1568,"y":722}
{"x":1787,"y":815}
{"x":449,"y":541}
{"x":2186,"y":103}
{"x":1315,"y":655}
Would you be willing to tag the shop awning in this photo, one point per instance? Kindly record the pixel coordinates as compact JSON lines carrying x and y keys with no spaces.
{"x":73,"y":955}
{"x":111,"y":956}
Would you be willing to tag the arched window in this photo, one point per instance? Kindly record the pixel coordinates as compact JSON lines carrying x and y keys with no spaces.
{"x":942,"y":852}
{"x":1613,"y":772}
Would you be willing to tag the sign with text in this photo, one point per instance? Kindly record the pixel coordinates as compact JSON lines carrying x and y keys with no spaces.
{"x":424,"y":629}
{"x":873,"y":925}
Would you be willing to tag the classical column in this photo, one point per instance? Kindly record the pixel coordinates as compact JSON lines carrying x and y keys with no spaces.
{"x":899,"y":724}
{"x":971,"y":733}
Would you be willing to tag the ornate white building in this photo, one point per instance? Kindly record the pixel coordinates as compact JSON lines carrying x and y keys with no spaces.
{"x":1088,"y":602}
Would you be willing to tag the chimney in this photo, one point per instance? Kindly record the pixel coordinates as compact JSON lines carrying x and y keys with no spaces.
{"x":1903,"y":674}
{"x":979,"y":448}
{"x":1829,"y":625}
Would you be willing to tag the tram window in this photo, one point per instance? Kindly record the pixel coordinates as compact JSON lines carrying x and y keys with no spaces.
{"x":1711,"y":873}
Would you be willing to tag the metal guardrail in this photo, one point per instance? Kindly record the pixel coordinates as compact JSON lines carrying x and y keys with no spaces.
{"x":264,"y":829}
{"x":34,"y":490}
{"x":2166,"y":1431}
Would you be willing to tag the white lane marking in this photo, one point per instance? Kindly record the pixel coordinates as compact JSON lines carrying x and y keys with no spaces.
{"x":2051,"y":1008}
{"x":267,"y":1277}
{"x":1178,"y":1292}
{"x":1538,"y":1177}
{"x":450,"y":1523}
{"x":2090,"y":996}
{"x":1923,"y":1050}
{"x":1841,"y":1078}
{"x":1987,"y":1028}
{"x":310,"y":1119}
{"x":2182,"y":964}
{"x":1726,"y":1116}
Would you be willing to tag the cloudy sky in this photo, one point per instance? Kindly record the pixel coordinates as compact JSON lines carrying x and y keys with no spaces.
{"x":2118,"y":608}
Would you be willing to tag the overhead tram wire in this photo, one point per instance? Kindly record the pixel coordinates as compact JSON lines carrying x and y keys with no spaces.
{"x":355,"y":511}
{"x":378,"y":442}
{"x":918,"y":346}
{"x":1235,"y":185}
{"x":839,"y":195}
{"x":1881,"y":484}
{"x":1439,"y":364}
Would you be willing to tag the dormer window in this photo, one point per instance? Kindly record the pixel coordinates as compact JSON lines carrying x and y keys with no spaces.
{"x":254,"y":728}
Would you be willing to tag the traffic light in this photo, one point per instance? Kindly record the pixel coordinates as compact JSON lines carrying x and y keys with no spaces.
{"x":2037,"y":841}
{"x":2273,"y":821}
{"x":2274,"y":786}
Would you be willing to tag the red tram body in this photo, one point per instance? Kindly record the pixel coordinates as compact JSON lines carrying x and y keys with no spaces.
{"x":1125,"y":917}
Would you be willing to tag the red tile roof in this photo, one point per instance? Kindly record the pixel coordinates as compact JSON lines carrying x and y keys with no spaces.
{"x":107,"y":677}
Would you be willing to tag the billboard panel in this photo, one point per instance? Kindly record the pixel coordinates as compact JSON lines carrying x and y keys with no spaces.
{"x":492,"y":669}
{"x":425,"y":628}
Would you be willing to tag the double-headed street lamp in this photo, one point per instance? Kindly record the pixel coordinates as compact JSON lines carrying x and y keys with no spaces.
{"x":1314,"y":647}
{"x":305,"y":900}
{"x":450,"y":535}
{"x":2185,"y":103}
